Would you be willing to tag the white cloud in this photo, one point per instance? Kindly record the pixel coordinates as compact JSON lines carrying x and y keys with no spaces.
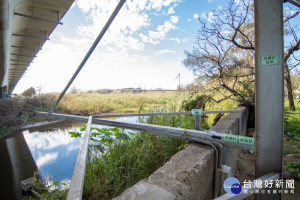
{"x":46,"y":159}
{"x":123,"y":48}
{"x":237,"y":2}
{"x":189,"y":20}
{"x":154,"y":37}
{"x":131,"y":18}
{"x":165,"y":51}
{"x":174,"y":19}
{"x":195,"y":16}
{"x":171,"y":10}
{"x":185,"y":40}
{"x":209,"y":17}
{"x":175,"y":39}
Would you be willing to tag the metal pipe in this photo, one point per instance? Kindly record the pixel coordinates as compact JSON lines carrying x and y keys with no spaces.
{"x":38,"y":18}
{"x":92,"y":48}
{"x":155,"y":129}
{"x":30,"y":36}
{"x":142,"y":114}
{"x":216,"y":166}
{"x":19,"y":60}
{"x":23,"y":47}
{"x":162,"y":113}
{"x":15,"y":54}
{"x":76,"y":186}
{"x":18,"y":64}
{"x":197,"y":122}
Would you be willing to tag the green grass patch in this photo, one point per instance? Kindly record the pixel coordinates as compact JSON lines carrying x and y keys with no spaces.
{"x":292,"y":129}
{"x":124,"y":161}
{"x":6,"y":131}
{"x":94,"y":103}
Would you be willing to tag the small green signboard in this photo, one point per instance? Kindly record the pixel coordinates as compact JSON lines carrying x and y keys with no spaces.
{"x":270,"y":60}
{"x":230,"y":138}
{"x":246,"y":140}
{"x":196,"y":112}
{"x":238,"y":139}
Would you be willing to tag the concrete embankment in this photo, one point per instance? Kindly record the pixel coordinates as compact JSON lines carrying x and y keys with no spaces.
{"x":190,"y":174}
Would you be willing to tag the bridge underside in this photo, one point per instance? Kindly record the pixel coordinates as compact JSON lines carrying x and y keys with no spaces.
{"x":25,"y":27}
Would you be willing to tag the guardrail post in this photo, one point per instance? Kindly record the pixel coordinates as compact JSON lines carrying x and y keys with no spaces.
{"x":197,"y":114}
{"x":197,"y":122}
{"x":76,"y":186}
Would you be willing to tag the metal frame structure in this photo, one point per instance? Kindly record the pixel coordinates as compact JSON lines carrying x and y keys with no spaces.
{"x":41,"y":19}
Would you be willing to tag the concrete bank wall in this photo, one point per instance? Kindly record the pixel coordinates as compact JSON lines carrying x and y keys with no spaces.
{"x":190,"y":173}
{"x":231,"y":125}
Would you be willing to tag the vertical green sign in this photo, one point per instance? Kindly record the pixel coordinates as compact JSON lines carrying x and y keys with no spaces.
{"x":270,"y":60}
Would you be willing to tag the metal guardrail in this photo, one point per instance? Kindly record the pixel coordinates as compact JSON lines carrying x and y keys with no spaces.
{"x":75,"y":191}
{"x":158,"y":130}
{"x":197,"y":117}
{"x":161,"y":113}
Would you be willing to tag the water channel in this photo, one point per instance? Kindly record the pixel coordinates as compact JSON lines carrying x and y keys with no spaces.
{"x":49,"y":150}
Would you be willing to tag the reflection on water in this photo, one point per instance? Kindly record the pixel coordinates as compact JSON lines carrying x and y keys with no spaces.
{"x":51,"y":151}
{"x":54,"y":152}
{"x":16,"y":165}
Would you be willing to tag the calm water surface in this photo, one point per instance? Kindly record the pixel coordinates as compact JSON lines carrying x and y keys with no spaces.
{"x":50,"y":151}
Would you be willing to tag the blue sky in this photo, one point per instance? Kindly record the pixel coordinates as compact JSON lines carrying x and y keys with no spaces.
{"x":144,"y":47}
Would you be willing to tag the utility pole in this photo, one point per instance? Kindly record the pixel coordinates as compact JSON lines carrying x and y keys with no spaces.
{"x":269,"y":89}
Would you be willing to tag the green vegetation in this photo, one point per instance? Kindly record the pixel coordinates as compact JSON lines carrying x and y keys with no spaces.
{"x":292,"y":130}
{"x":292,"y":119}
{"x":292,"y":138}
{"x":52,"y":191}
{"x":294,"y":169}
{"x":124,"y":161}
{"x":29,"y":92}
{"x":6,"y":131}
{"x":94,"y":103}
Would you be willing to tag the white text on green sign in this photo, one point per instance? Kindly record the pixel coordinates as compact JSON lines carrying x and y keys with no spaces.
{"x":269,"y":60}
{"x":238,"y":139}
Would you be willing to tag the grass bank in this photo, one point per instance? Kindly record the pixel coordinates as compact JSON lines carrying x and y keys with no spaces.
{"x":94,"y":103}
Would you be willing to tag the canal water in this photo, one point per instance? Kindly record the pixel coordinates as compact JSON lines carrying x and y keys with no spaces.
{"x":49,"y":150}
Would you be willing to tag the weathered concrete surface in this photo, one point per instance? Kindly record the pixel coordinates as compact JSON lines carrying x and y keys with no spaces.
{"x":144,"y":190}
{"x":230,"y":124}
{"x":188,"y":175}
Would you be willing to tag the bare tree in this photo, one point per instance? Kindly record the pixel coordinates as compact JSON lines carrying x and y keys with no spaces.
{"x":224,"y":56}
